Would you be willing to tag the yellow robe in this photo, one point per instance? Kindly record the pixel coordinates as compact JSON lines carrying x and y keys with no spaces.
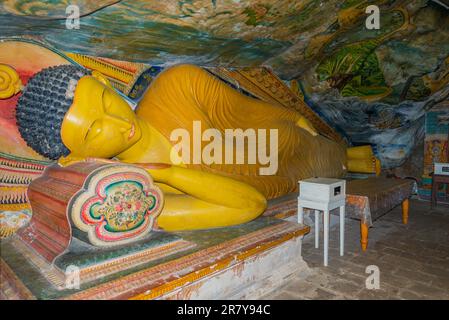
{"x":186,"y":93}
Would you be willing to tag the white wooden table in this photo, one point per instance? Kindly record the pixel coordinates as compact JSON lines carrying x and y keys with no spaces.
{"x":322,"y":194}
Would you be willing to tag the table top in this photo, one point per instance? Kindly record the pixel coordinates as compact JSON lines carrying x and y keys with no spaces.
{"x":440,"y":178}
{"x":326,"y":181}
{"x":373,"y":186}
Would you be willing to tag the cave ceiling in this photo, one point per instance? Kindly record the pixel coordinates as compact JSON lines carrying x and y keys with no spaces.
{"x":352,"y":76}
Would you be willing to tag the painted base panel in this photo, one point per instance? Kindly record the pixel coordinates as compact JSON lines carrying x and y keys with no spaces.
{"x":240,"y":262}
{"x":249,"y":279}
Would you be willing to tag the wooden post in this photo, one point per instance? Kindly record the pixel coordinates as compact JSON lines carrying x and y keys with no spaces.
{"x":364,"y":235}
{"x":378,"y":167}
{"x":326,"y":236}
{"x":434,"y":192}
{"x":342,"y":230}
{"x":447,"y":154}
{"x":300,"y":214}
{"x":317,"y":228}
{"x":405,"y":208}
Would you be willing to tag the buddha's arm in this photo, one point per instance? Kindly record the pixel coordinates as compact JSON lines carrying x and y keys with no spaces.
{"x":209,"y":187}
{"x":204,"y":200}
{"x":208,"y":201}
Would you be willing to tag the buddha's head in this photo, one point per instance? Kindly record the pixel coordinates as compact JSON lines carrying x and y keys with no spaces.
{"x":67,"y":110}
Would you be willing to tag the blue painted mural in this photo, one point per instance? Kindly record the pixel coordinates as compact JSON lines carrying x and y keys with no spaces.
{"x":373,"y":85}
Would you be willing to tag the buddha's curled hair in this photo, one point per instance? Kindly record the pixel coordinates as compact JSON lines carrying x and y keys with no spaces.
{"x":42,"y":107}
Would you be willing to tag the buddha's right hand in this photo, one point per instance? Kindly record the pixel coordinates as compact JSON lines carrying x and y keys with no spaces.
{"x":68,"y":160}
{"x":101,"y":160}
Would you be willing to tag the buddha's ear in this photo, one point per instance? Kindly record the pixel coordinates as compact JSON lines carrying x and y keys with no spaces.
{"x":100,"y":77}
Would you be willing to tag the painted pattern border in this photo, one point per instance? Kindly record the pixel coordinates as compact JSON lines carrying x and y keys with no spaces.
{"x":158,"y":280}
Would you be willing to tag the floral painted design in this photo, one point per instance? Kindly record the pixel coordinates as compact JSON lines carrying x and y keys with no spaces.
{"x":125,"y":206}
{"x":118,"y":204}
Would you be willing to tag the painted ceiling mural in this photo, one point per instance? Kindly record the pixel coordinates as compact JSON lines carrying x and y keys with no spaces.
{"x":374,"y":86}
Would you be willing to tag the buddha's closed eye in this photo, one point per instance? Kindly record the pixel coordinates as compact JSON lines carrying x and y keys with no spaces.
{"x":115,"y":110}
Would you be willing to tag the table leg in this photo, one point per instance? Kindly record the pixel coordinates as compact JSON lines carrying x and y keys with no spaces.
{"x":434,"y":192}
{"x":300,"y":214}
{"x":326,"y":236}
{"x":317,"y":228}
{"x":364,"y":235}
{"x":405,"y":209}
{"x":342,"y":230}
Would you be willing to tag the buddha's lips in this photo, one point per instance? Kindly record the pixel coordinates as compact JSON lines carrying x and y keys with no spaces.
{"x":131,"y":132}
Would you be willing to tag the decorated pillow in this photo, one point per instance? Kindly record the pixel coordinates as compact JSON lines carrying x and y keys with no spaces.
{"x":118,"y":204}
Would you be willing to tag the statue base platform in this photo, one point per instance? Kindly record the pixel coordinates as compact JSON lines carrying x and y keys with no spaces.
{"x":240,"y":262}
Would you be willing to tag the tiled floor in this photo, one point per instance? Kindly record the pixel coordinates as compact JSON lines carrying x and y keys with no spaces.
{"x":413,"y":260}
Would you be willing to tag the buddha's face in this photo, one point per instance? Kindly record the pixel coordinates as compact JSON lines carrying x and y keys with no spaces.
{"x":100,"y":123}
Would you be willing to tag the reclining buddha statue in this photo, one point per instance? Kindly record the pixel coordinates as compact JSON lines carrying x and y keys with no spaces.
{"x":71,"y":114}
